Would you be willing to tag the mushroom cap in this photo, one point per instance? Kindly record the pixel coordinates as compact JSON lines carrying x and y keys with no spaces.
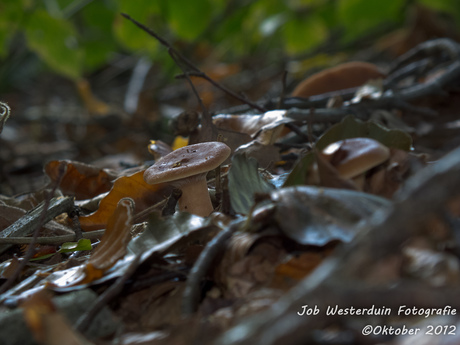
{"x":355,"y":156}
{"x":187,"y":161}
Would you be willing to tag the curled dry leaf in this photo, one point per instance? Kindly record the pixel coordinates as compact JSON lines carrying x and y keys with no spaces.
{"x":343,"y":76}
{"x":113,"y":243}
{"x":113,"y":247}
{"x":132,"y":186}
{"x":81,"y":180}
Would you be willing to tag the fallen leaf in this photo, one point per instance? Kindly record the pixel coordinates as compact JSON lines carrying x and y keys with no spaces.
{"x":132,"y":186}
{"x":80,"y":180}
{"x":9,"y":214}
{"x":244,"y":181}
{"x":113,"y":242}
{"x":47,"y":324}
{"x":113,"y":247}
{"x":318,"y":216}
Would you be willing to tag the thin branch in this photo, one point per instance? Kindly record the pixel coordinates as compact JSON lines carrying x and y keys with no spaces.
{"x":26,"y":225}
{"x":197,"y":72}
{"x":190,"y":299}
{"x":52,"y":239}
{"x":42,"y":219}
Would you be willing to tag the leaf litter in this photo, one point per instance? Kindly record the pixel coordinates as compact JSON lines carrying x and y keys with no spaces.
{"x":287,"y":228}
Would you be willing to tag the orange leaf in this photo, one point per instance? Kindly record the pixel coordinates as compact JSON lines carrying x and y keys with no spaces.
{"x":81,"y":180}
{"x":132,"y":186}
{"x":112,"y":247}
{"x":343,"y":76}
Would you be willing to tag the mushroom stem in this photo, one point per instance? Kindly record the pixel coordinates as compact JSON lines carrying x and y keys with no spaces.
{"x":195,"y":198}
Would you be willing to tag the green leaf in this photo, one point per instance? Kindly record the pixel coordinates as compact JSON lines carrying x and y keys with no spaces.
{"x":55,"y":41}
{"x":11,"y":15}
{"x":43,"y":257}
{"x":299,"y":173}
{"x":162,"y":233}
{"x":358,"y":16}
{"x":129,"y":34}
{"x":189,"y":18}
{"x":451,"y":7}
{"x":82,"y":244}
{"x":244,"y":181}
{"x":302,"y":34}
{"x":98,"y":40}
{"x":350,"y":127}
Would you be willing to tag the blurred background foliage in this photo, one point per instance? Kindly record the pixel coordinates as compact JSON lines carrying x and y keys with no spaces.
{"x":74,"y":38}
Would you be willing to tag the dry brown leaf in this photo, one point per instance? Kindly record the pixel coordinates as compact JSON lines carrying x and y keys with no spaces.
{"x":132,"y":186}
{"x":81,"y":180}
{"x":48,"y":326}
{"x":289,"y":273}
{"x":9,"y":214}
{"x":248,"y":273}
{"x":157,"y":307}
{"x":113,"y":242}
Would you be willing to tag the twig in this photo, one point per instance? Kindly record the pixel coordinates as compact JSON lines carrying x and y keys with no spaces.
{"x":191,"y":295}
{"x":428,"y":48}
{"x":52,"y":239}
{"x":283,"y":90}
{"x":43,"y":217}
{"x":27,"y":224}
{"x":74,"y":215}
{"x":108,"y":295}
{"x":196,"y":71}
{"x":221,"y":87}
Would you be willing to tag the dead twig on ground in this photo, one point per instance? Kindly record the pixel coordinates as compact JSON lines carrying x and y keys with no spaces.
{"x":42,"y":216}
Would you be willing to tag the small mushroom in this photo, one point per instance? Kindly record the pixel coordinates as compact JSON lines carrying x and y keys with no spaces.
{"x":186,"y":169}
{"x":353,"y":157}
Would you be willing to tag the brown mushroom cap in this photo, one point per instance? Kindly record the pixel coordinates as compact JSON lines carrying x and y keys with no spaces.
{"x":355,"y":156}
{"x":187,"y":161}
{"x":343,"y":76}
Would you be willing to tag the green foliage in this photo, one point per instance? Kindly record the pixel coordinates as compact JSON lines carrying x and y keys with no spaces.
{"x":188,"y":18}
{"x":11,"y":15}
{"x":69,"y":247}
{"x":75,"y":37}
{"x":451,"y":7}
{"x":359,"y":16}
{"x":302,"y":34}
{"x":242,"y":190}
{"x":128,"y":34}
{"x":55,"y":41}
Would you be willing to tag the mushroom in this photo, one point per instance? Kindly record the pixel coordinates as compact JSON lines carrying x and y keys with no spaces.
{"x":353,"y":157}
{"x":186,"y":169}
